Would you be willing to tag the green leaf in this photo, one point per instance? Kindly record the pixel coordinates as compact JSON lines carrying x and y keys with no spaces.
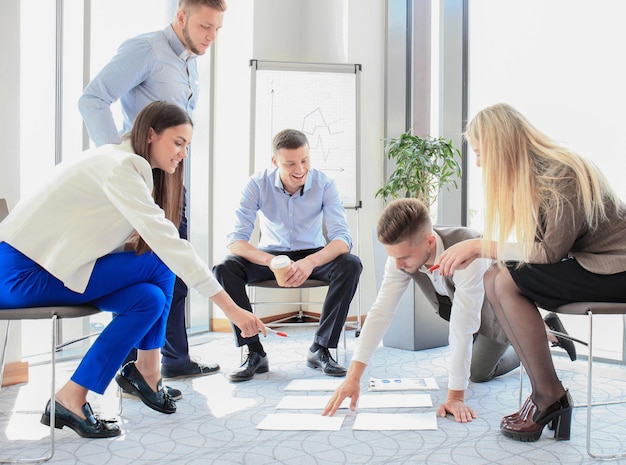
{"x":423,"y":166}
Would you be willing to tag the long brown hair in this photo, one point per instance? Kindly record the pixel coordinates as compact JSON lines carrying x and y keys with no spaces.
{"x":168,"y":188}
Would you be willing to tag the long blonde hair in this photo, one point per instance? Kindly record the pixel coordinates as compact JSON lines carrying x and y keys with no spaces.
{"x":525,"y":173}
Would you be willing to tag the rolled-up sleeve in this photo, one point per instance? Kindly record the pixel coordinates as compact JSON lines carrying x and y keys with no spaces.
{"x":131,"y":66}
{"x":245,"y":215}
{"x":335,"y":220}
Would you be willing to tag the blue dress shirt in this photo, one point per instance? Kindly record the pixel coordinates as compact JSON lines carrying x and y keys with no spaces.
{"x":149,"y":67}
{"x":291,"y":222}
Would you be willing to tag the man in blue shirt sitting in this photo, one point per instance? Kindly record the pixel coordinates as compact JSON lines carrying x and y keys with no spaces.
{"x":292,"y":200}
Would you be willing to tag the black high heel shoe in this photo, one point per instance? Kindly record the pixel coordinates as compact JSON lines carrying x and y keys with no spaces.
{"x":554,"y":323}
{"x":528,"y":427}
{"x":132,"y":381}
{"x":91,"y":427}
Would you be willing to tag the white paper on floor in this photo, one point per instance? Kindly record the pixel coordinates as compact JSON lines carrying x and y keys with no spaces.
{"x":402,"y":384}
{"x":301,"y":422}
{"x":314,"y":384}
{"x":365,"y":401}
{"x":395,"y":421}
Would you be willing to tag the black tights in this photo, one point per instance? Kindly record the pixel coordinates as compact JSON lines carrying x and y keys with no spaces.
{"x":525,"y":329}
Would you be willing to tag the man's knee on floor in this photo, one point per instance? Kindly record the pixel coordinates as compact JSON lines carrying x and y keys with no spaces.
{"x":480,"y":374}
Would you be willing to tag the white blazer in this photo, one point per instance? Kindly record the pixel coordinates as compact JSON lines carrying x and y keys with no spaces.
{"x":88,"y":209}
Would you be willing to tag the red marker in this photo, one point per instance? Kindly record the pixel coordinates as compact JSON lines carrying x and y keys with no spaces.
{"x":278,"y":333}
{"x":433,"y":268}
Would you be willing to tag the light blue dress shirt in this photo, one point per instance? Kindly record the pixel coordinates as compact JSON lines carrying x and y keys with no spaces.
{"x":291,"y":222}
{"x":149,"y":67}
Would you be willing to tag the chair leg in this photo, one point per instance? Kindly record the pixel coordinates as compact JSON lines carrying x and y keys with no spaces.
{"x":48,"y":456}
{"x":589,"y":399}
{"x":589,"y":384}
{"x":5,"y":345}
{"x":119,"y":405}
{"x":53,"y":366}
{"x":521,"y":386}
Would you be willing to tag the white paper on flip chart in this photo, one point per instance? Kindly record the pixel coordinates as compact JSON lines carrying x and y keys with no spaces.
{"x":396,"y":421}
{"x":301,"y":422}
{"x":365,"y":401}
{"x":402,"y":384}
{"x":314,"y":384}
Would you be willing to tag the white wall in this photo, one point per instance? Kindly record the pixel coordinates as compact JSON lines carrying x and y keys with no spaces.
{"x":318,"y":31}
{"x":10,"y":127}
{"x":10,"y":98}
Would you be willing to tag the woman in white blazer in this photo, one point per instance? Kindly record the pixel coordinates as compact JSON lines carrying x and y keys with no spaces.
{"x":65,"y":246}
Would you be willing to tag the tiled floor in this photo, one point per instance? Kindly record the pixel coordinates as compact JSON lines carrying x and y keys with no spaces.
{"x":216,"y":421}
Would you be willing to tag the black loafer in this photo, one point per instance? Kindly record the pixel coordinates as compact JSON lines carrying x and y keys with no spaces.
{"x":255,"y":363}
{"x":174,"y":393}
{"x":132,"y":381}
{"x":91,"y":427}
{"x":322,"y":359}
{"x":554,"y":323}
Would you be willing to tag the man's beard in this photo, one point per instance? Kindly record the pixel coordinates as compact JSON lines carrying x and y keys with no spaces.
{"x":188,"y":42}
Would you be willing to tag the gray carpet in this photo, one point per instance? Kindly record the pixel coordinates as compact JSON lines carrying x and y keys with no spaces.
{"x":216,"y":421}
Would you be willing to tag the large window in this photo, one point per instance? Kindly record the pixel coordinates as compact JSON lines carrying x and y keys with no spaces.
{"x":558,"y":62}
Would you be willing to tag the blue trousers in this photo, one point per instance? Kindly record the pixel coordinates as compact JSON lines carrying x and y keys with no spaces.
{"x":137,"y":288}
{"x":342,"y":273}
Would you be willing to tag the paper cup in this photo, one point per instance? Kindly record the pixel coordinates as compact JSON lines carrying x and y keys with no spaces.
{"x":280,"y":265}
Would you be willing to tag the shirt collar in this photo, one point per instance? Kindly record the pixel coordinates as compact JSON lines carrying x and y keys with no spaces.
{"x":177,"y":45}
{"x":279,"y":182}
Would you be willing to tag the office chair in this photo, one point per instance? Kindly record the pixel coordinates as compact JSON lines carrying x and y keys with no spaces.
{"x":39,"y":313}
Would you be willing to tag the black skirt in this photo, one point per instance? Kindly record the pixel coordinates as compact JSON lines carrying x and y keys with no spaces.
{"x":555,"y":284}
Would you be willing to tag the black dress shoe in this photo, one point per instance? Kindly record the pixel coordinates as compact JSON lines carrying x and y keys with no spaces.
{"x":321,"y":358}
{"x":188,"y":370}
{"x":554,"y":323}
{"x":91,"y":427}
{"x":255,"y":363}
{"x":174,"y":393}
{"x":132,"y":381}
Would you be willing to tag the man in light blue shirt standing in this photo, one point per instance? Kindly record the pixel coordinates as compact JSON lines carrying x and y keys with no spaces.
{"x":158,"y":65}
{"x":292,"y":200}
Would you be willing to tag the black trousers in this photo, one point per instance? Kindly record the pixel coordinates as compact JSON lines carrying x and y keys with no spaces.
{"x":176,"y":349}
{"x":342,"y":273}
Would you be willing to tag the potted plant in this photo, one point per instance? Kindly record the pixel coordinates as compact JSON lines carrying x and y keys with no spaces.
{"x":422,"y":167}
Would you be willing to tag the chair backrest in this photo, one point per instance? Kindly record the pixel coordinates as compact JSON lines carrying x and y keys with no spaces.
{"x":4,"y":209}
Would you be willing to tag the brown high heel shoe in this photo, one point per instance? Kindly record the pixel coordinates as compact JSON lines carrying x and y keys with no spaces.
{"x":521,"y":413}
{"x":528,"y":427}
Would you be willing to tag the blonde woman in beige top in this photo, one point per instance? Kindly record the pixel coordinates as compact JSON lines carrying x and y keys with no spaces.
{"x":570,"y":246}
